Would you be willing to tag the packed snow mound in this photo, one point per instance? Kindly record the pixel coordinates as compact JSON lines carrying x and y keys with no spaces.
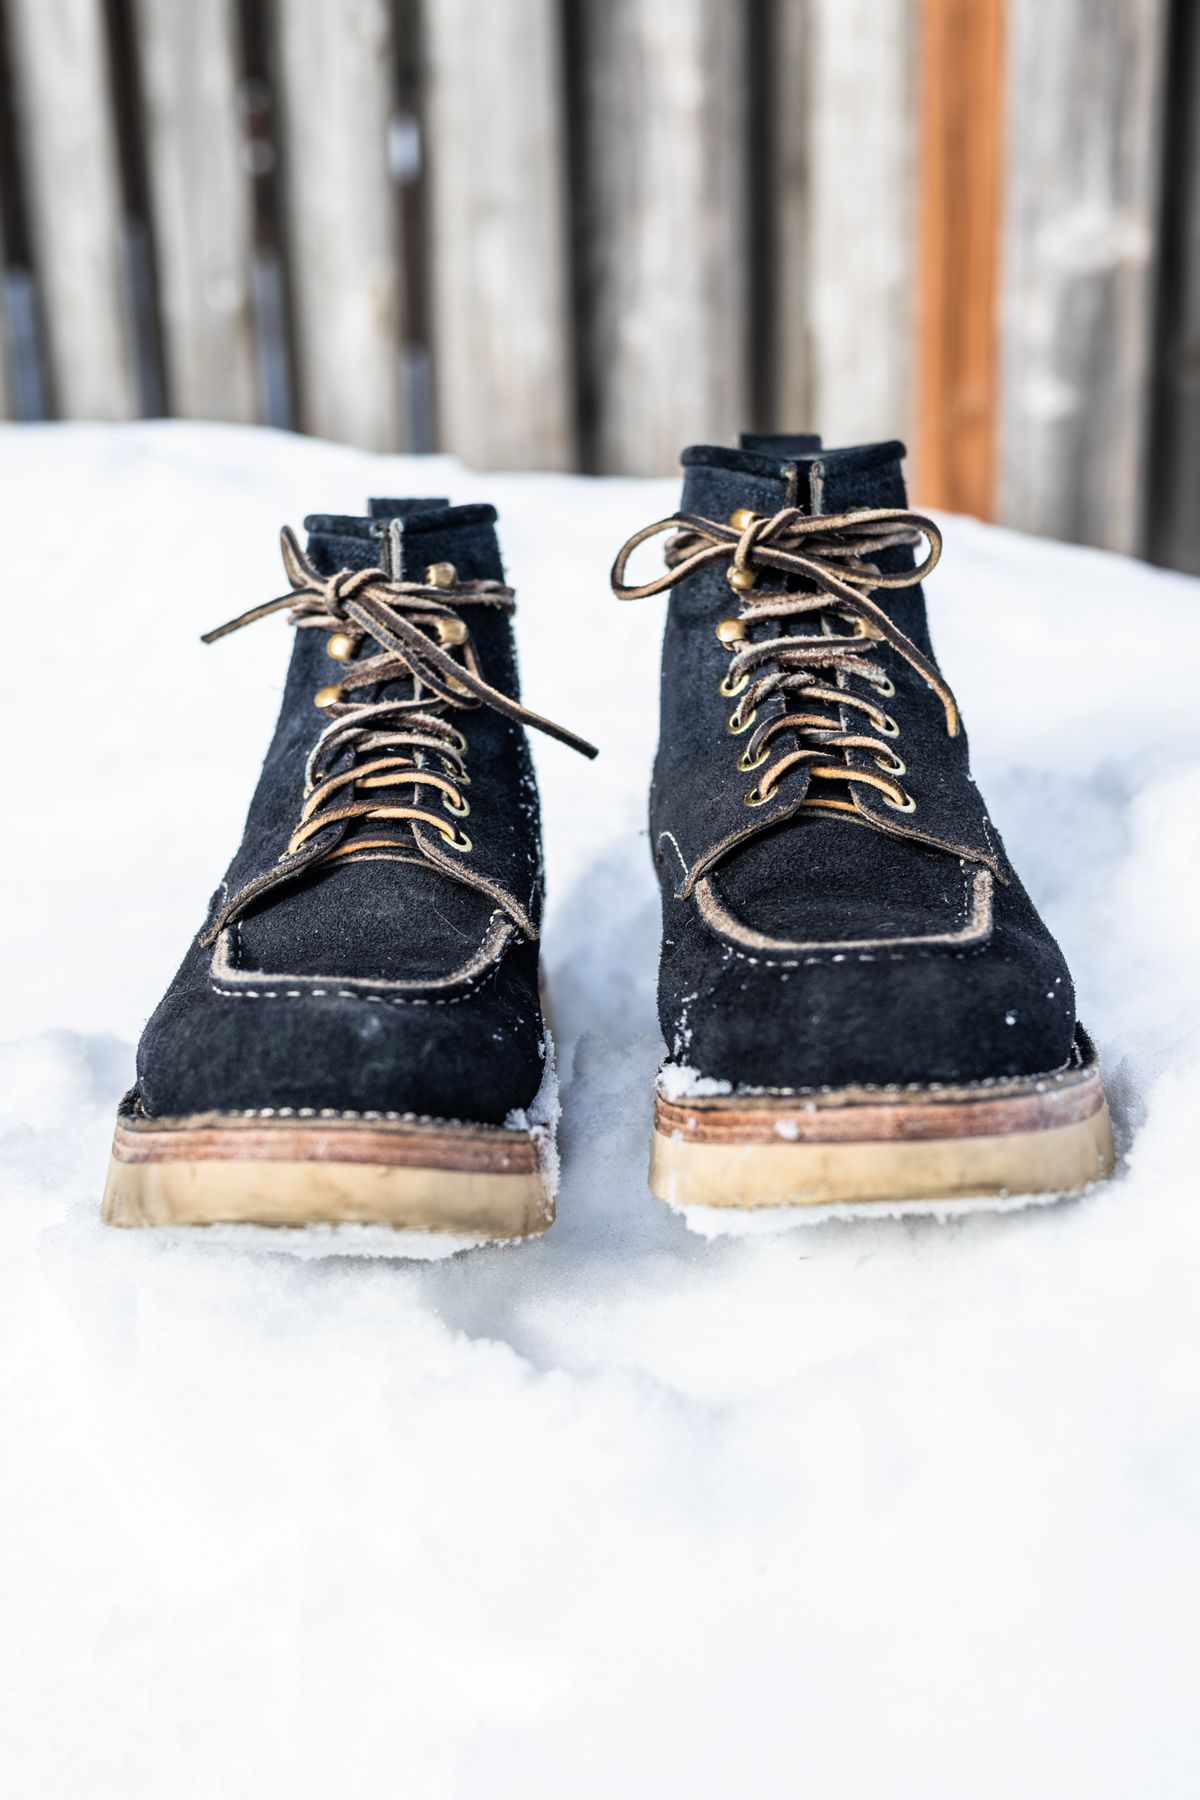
{"x":882,"y":1508}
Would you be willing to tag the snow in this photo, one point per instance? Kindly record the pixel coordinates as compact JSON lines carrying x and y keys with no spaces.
{"x":885,"y":1507}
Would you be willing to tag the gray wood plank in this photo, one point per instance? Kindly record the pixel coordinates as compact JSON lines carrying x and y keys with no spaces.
{"x":343,"y":218}
{"x":842,"y":181}
{"x":69,"y":148}
{"x":1077,"y":271}
{"x":1174,"y":476}
{"x":190,"y":70}
{"x":665,"y":256}
{"x":7,"y":397}
{"x":497,"y":157}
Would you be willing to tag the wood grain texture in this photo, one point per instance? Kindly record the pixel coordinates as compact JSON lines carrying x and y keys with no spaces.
{"x":499,"y":251}
{"x":665,"y":251}
{"x":343,"y":218}
{"x":1084,"y":103}
{"x":1173,"y":480}
{"x":959,"y":197}
{"x":190,"y":70}
{"x":61,"y":76}
{"x":842,"y":178}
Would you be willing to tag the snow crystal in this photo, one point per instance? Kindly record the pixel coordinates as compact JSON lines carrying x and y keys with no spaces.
{"x":678,"y":1081}
{"x":882,"y":1507}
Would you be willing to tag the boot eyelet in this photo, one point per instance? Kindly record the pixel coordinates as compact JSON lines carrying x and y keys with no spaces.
{"x":459,"y":776}
{"x":460,"y":812}
{"x":746,"y":762}
{"x":731,"y":632}
{"x":883,"y":684}
{"x":741,"y":580}
{"x":890,"y":764}
{"x":729,"y":689}
{"x":441,"y":575}
{"x":907,"y":805}
{"x":326,"y":697}
{"x":756,"y":797}
{"x":450,"y":632}
{"x":460,"y":842}
{"x":888,"y":726}
{"x":340,"y":646}
{"x":741,"y":518}
{"x":737,"y":727}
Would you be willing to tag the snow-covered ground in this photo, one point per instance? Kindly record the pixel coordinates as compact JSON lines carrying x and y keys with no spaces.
{"x":883,"y":1509}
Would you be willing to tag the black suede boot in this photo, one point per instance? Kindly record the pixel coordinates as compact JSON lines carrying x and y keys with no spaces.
{"x":859,"y":999}
{"x":356,"y":1034}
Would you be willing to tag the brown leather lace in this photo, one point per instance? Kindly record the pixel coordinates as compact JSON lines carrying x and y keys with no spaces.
{"x":408,"y":742}
{"x":831,"y":555}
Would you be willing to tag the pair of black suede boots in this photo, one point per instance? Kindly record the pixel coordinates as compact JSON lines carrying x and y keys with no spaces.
{"x":860,"y":1003}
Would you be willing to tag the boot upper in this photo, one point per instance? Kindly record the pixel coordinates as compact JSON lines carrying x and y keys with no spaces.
{"x":376,"y":978}
{"x":864,"y":929}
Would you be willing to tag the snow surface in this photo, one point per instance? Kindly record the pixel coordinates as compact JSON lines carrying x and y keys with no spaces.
{"x":882,"y":1508}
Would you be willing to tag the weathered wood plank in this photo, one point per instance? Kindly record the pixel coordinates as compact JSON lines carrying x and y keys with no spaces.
{"x":343,"y":218}
{"x":6,"y":385}
{"x":959,"y":198}
{"x":665,"y":258}
{"x":190,"y":70}
{"x":497,"y":156}
{"x":69,"y":148}
{"x":1173,"y":525}
{"x":1083,"y":144}
{"x":843,"y":154}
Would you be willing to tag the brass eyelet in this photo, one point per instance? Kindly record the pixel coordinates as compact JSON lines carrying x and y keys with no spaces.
{"x":451,"y":631}
{"x":891,"y":764}
{"x":737,"y":728}
{"x":864,"y":628}
{"x":888,"y":726}
{"x":459,"y":740}
{"x":746,"y":762}
{"x":741,"y":518}
{"x":461,"y":842}
{"x":458,"y":776}
{"x":729,"y":689}
{"x":327,"y":696}
{"x":460,"y":812}
{"x":441,"y":575}
{"x":756,"y":797}
{"x":340,"y":646}
{"x":731,"y":632}
{"x":883,"y":684}
{"x":907,"y":805}
{"x":740,"y":579}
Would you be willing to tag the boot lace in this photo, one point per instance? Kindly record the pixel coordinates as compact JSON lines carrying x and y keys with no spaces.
{"x":409,"y":742}
{"x":827,"y":561}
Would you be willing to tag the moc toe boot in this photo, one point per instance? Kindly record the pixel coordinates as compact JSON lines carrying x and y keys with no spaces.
{"x":859,"y":999}
{"x":356,"y":1033}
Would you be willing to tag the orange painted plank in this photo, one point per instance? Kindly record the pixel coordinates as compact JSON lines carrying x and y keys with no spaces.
{"x":960,"y":184}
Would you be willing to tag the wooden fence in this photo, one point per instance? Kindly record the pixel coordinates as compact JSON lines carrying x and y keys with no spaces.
{"x":577,"y":233}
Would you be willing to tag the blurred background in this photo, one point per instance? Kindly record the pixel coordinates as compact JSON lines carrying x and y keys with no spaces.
{"x":575,"y":234}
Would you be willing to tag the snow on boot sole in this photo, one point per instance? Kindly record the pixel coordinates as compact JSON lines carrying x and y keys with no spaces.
{"x":1047,"y":1134}
{"x":478,"y":1181}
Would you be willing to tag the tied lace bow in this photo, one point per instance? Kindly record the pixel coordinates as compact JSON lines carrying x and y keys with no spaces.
{"x":409,"y":741}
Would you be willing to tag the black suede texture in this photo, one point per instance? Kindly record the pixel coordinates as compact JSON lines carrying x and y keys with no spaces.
{"x":812,"y":949}
{"x":370,"y":985}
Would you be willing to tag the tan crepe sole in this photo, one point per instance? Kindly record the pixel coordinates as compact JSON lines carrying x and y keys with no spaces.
{"x":212,"y":1169}
{"x":1046,"y":1134}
